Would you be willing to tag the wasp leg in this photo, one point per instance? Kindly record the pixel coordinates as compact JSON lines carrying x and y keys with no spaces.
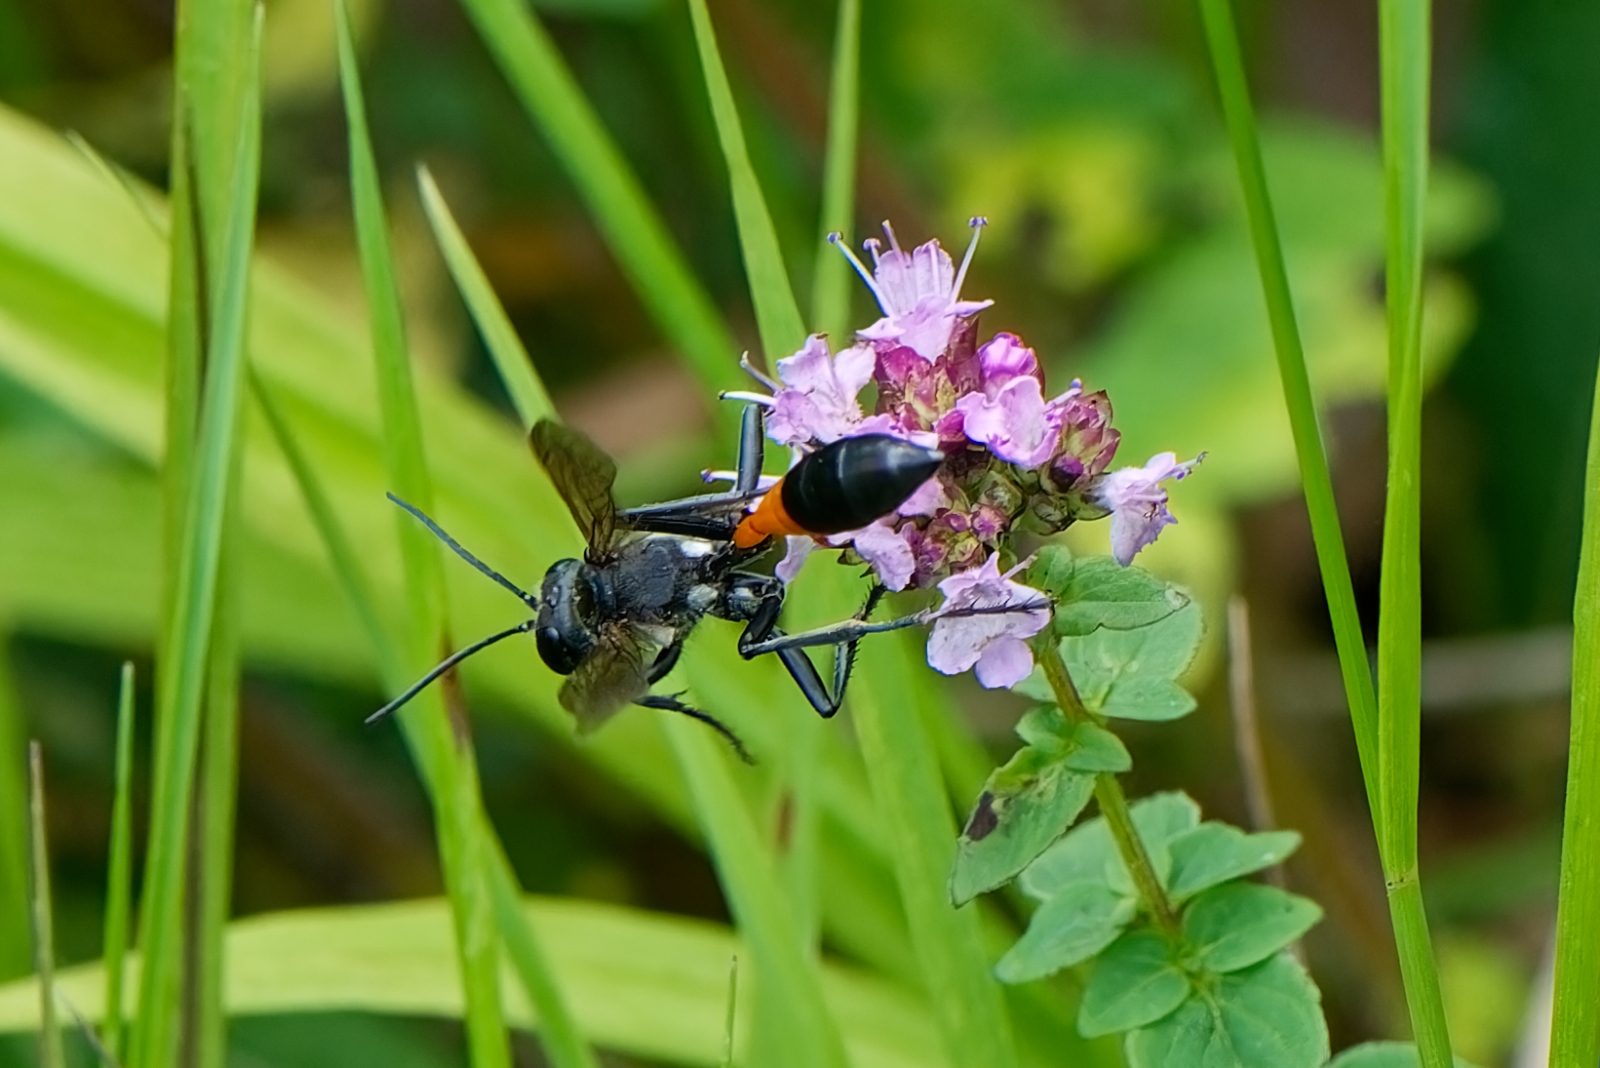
{"x":672,"y":704}
{"x":762,"y":635}
{"x":665,"y":661}
{"x":752,"y":449}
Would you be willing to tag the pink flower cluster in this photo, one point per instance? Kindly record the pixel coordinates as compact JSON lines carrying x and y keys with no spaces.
{"x":1015,"y":458}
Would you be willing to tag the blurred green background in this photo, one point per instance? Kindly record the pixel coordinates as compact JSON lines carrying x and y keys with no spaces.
{"x":1086,"y":132}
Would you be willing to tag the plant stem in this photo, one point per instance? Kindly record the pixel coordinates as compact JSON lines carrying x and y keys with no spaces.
{"x":1107,"y":791}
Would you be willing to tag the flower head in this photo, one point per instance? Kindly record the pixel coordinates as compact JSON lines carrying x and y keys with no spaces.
{"x":919,"y":292}
{"x":1137,"y":503}
{"x":994,"y":643}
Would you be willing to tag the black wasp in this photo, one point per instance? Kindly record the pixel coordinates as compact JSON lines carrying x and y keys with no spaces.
{"x":615,"y":621}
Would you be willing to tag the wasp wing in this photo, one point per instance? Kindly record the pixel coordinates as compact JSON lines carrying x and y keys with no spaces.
{"x":611,"y":677}
{"x":583,"y":475}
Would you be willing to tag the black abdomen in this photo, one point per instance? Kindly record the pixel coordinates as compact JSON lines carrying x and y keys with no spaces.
{"x":849,"y":483}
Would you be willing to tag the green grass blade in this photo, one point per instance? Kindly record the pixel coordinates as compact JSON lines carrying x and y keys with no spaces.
{"x":831,"y":277}
{"x":522,"y":382}
{"x":44,"y":949}
{"x":15,"y":934}
{"x":560,"y":1035}
{"x":1404,"y":61}
{"x":1575,"y":1026}
{"x":219,"y":780}
{"x":651,"y":986}
{"x":443,"y":749}
{"x":789,"y":983}
{"x":630,"y":224}
{"x":1223,"y":43}
{"x":119,"y":876}
{"x":563,"y":1042}
{"x":186,"y":642}
{"x":777,"y":315}
{"x":911,"y":798}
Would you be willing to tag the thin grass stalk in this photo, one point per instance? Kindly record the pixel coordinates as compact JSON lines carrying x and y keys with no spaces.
{"x":558,"y":1029}
{"x":15,"y":923}
{"x":778,"y":316}
{"x":831,"y":276}
{"x":186,"y":639}
{"x":908,"y":791}
{"x":44,"y":949}
{"x":1404,"y":68}
{"x":119,"y":873}
{"x":219,"y":778}
{"x":564,"y":1044}
{"x":1575,"y":1025}
{"x":511,"y":360}
{"x":1310,"y":449}
{"x":784,"y":973}
{"x":645,"y":250}
{"x":438,"y":741}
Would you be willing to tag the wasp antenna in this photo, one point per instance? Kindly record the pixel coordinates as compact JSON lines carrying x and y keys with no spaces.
{"x":527,"y":598}
{"x":445,"y":665}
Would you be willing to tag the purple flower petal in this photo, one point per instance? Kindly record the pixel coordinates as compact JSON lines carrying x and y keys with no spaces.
{"x":1138,"y":504}
{"x":1016,"y":424}
{"x":960,"y":642}
{"x":1004,"y":663}
{"x":818,"y":398}
{"x":794,"y":556}
{"x":1003,"y":358}
{"x":886,"y":549}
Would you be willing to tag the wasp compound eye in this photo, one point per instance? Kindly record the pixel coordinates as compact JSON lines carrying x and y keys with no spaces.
{"x":850,"y":482}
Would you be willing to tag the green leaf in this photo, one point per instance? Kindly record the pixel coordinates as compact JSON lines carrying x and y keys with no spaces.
{"x":1135,"y":982}
{"x":1099,"y":592}
{"x":777,"y":315}
{"x":1129,"y":673}
{"x":1384,"y":1055}
{"x":1214,"y":852}
{"x":1051,"y":570}
{"x":14,"y":936}
{"x":830,"y":282}
{"x":1088,"y":852}
{"x":1234,"y":926}
{"x":633,"y":229}
{"x":1026,"y":805}
{"x":649,"y":986}
{"x":1071,"y":927}
{"x":1081,"y":746}
{"x":522,"y":382}
{"x":1269,"y":1016}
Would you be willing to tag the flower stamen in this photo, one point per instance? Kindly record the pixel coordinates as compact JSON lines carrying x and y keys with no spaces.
{"x":977,"y":222}
{"x":837,"y":241}
{"x":758,"y":374}
{"x":748,"y":396}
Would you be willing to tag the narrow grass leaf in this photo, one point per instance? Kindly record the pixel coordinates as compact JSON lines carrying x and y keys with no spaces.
{"x":1575,"y":1027}
{"x":912,"y":801}
{"x":831,"y":277}
{"x":186,"y":643}
{"x":522,"y":382}
{"x":1310,"y":449}
{"x":562,"y":1039}
{"x":119,"y":874}
{"x":638,"y":237}
{"x":755,"y":896}
{"x":563,"y":1042}
{"x":777,"y":315}
{"x":218,"y":787}
{"x":1404,"y":62}
{"x":44,"y":948}
{"x":14,"y":902}
{"x":444,"y":753}
{"x":650,"y":986}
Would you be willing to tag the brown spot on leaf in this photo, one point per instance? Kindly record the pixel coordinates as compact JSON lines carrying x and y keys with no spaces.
{"x":984,"y":819}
